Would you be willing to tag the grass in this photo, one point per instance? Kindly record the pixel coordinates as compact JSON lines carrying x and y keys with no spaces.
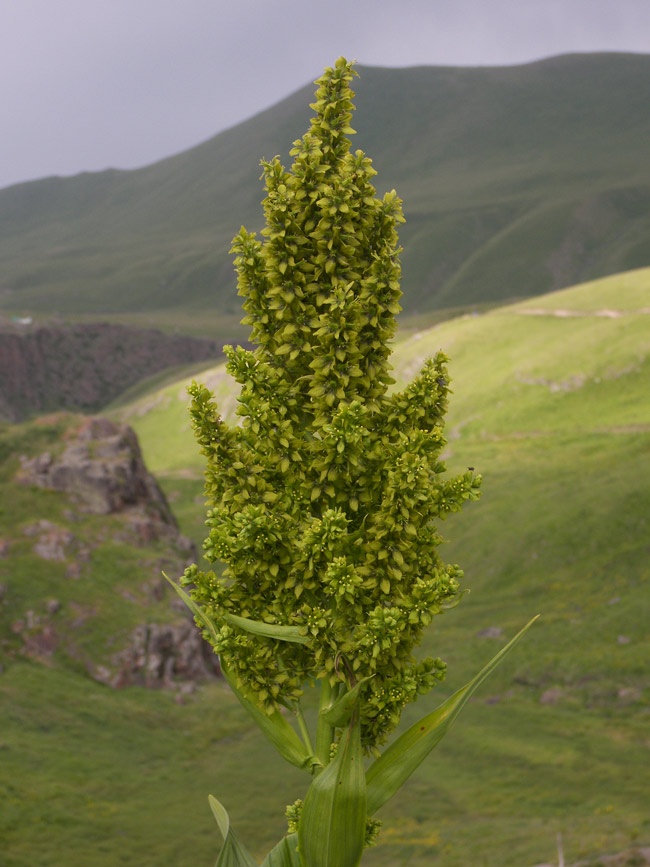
{"x":556,"y":740}
{"x":530,"y":176}
{"x":111,"y":595}
{"x":78,"y":791}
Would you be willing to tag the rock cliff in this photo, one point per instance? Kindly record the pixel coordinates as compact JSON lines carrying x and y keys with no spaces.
{"x":85,"y":367}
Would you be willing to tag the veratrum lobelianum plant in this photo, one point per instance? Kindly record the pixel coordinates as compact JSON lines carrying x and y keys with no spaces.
{"x":323,"y":502}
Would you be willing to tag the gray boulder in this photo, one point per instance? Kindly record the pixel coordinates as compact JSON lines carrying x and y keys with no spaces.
{"x":102,"y":470}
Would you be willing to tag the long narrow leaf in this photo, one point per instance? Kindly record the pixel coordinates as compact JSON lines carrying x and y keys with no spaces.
{"x":274,"y":727}
{"x":196,"y":610}
{"x":285,"y":854}
{"x":340,"y":712}
{"x":221,"y":815}
{"x":332,"y":825}
{"x":268,"y":630}
{"x":233,"y":852}
{"x":396,"y":764}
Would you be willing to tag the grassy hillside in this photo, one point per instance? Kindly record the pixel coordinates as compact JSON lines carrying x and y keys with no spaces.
{"x":567,"y":362}
{"x":96,"y":570}
{"x":551,"y":405}
{"x":516,"y":180}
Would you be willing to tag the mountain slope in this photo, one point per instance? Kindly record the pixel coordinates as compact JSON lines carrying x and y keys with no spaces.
{"x":551,"y":404}
{"x":570,"y":361}
{"x":516,"y":180}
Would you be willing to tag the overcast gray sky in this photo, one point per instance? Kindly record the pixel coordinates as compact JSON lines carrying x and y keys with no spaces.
{"x":91,"y":84}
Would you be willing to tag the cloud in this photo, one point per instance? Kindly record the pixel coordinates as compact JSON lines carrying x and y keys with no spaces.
{"x":87,"y":85}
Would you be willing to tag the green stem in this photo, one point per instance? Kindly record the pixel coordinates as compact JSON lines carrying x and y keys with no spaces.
{"x":304,"y":731}
{"x":324,"y":731}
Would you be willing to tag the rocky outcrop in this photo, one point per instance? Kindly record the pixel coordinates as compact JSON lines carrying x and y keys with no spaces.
{"x":52,"y":542}
{"x":102,"y":470}
{"x":155,"y":656}
{"x":161,"y":655}
{"x":85,"y":367}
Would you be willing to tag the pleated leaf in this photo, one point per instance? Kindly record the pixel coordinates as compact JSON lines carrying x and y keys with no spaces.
{"x":333,"y":821}
{"x":340,"y":712}
{"x":285,"y":854}
{"x":275,"y":727}
{"x":268,"y":630}
{"x":396,"y":764}
{"x":233,"y":852}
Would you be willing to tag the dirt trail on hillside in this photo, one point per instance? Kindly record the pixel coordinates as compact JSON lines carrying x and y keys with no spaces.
{"x":562,"y":313}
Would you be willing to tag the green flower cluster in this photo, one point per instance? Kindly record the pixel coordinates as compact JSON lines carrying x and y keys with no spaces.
{"x":323,"y":502}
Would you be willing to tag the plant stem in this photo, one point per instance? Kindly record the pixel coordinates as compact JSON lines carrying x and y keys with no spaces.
{"x":304,"y":731}
{"x":324,"y":731}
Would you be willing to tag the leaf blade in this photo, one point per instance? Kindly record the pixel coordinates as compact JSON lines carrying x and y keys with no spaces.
{"x":233,"y":852}
{"x":332,"y":825}
{"x":274,"y":727}
{"x":339,"y":713}
{"x":220,"y":814}
{"x":256,"y":627}
{"x":285,"y":854}
{"x":396,"y":764}
{"x":267,"y":630}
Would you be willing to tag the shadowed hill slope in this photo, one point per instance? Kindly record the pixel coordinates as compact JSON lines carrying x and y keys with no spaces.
{"x":85,"y":367}
{"x":516,"y":180}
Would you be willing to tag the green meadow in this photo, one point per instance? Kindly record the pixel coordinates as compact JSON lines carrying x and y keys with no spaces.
{"x":551,"y":404}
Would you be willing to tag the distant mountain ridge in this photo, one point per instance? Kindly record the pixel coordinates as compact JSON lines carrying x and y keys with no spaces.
{"x":516,"y":180}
